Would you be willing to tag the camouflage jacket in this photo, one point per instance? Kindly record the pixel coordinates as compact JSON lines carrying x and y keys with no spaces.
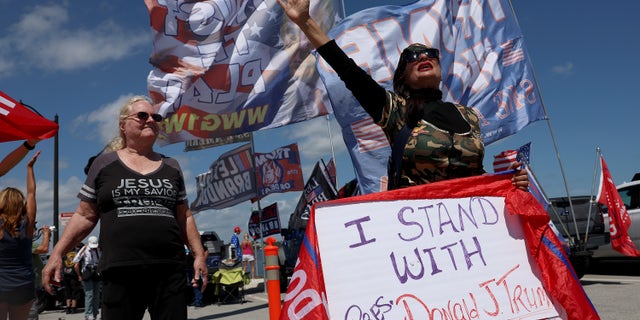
{"x":432,"y":154}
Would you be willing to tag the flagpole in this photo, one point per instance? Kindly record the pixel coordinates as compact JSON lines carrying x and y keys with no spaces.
{"x":593,"y":187}
{"x":553,"y":138}
{"x":56,"y":209}
{"x":333,"y":154}
{"x":255,"y":183}
{"x":553,"y":208}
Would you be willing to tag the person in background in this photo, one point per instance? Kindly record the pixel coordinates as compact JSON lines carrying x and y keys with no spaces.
{"x":17,"y":226}
{"x":37,"y":250}
{"x":13,"y":158}
{"x":436,"y":140}
{"x":235,"y":242}
{"x":198,"y":287}
{"x":139,"y":198}
{"x":70,"y":283}
{"x":86,"y":266}
{"x":247,"y":255}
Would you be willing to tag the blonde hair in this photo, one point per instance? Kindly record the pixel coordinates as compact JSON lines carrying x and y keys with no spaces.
{"x":119,"y":142}
{"x":13,"y":210}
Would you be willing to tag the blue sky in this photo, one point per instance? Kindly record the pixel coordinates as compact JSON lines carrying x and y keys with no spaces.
{"x":80,"y":60}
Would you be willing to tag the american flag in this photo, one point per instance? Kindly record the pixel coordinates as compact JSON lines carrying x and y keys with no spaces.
{"x":504,"y":159}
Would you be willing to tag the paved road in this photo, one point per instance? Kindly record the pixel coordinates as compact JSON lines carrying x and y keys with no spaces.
{"x":256,"y":307}
{"x":612,"y":286}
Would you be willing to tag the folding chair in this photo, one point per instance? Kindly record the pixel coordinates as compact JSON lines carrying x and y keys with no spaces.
{"x":229,"y":282}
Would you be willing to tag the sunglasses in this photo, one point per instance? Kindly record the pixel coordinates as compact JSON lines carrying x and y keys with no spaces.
{"x":145,"y":115}
{"x":413,"y":54}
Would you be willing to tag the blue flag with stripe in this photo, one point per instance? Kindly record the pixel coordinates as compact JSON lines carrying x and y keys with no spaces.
{"x":484,"y":63}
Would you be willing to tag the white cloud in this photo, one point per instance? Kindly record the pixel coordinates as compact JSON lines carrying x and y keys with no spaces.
{"x":46,"y":39}
{"x":313,"y":138}
{"x":101,"y":123}
{"x":565,"y":69}
{"x":67,"y":200}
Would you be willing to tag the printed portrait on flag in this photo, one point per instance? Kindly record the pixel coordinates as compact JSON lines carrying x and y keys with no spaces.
{"x":279,"y":171}
{"x":226,"y":67}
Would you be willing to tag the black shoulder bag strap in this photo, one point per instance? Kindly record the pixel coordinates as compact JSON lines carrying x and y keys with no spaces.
{"x":395,"y":160}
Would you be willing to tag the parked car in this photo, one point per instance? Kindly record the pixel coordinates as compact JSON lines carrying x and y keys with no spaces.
{"x":215,"y":249}
{"x":588,"y":229}
{"x":630,"y":194}
{"x":584,"y":229}
{"x":214,"y":245}
{"x":288,"y":254}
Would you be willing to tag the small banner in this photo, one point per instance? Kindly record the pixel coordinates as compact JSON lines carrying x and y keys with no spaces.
{"x":199,"y":144}
{"x":317,"y":189}
{"x":270,"y":220}
{"x":229,"y":181}
{"x":279,"y":171}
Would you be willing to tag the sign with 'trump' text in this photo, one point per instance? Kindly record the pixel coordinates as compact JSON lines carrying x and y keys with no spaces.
{"x":456,"y":258}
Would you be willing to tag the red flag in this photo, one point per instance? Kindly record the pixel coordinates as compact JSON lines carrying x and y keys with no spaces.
{"x":557,"y":274}
{"x":619,"y":220}
{"x":306,"y":297}
{"x":18,"y":122}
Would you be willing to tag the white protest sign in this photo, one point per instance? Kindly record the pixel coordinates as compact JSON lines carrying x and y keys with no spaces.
{"x":460,"y":258}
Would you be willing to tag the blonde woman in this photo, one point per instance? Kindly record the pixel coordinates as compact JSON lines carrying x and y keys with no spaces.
{"x":140,"y":199}
{"x":247,"y":255}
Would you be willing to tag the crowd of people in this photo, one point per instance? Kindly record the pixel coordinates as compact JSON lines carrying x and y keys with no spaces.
{"x":137,"y":264}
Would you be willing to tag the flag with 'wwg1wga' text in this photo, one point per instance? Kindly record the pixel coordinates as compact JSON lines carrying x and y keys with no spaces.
{"x":484,"y":64}
{"x":226,"y":67}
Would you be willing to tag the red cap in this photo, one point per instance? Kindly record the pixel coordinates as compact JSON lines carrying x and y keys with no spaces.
{"x":236,"y":229}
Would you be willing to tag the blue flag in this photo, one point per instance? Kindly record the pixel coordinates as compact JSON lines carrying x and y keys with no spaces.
{"x":484,"y":63}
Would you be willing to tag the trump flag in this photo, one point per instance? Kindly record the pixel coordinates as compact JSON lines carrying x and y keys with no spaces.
{"x":278,"y":171}
{"x":484,"y":63}
{"x":227,"y":67}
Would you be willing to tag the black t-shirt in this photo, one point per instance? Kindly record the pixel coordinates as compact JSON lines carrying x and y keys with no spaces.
{"x":137,"y":212}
